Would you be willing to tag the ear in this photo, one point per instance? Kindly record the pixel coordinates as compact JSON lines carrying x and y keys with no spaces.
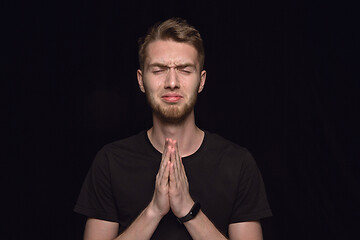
{"x":140,"y":80}
{"x":202,"y":81}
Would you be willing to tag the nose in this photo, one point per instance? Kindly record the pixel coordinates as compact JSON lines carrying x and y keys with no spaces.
{"x":171,"y":81}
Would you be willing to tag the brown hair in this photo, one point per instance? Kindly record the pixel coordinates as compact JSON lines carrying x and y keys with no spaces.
{"x":176,"y":29}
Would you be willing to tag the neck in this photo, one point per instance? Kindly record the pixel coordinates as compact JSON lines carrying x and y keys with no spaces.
{"x":186,"y":133}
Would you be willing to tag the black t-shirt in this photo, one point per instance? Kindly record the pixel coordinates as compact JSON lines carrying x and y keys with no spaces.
{"x":222,"y":176}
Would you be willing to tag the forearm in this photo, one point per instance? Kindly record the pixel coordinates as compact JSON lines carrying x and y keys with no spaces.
{"x":146,"y":223}
{"x":201,"y":228}
{"x":143,"y":227}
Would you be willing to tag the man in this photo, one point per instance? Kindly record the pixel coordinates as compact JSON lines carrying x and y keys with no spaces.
{"x":173,"y":181}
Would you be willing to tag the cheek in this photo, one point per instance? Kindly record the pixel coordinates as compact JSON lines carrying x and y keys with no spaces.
{"x":151,"y":84}
{"x":153,"y":90}
{"x":195,"y":85}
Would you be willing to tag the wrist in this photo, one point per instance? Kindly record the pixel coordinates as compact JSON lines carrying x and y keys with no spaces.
{"x":153,"y":212}
{"x":191,"y":214}
{"x":186,"y":209}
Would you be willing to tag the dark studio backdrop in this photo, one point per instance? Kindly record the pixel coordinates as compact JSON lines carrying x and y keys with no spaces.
{"x":282,"y":82}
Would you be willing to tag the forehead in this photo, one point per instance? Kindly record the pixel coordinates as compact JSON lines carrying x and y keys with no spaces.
{"x":171,"y":52}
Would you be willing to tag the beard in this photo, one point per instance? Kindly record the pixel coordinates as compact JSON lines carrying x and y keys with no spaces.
{"x":172,"y":113}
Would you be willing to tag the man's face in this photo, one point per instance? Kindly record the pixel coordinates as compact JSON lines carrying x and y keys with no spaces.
{"x":171,"y":79}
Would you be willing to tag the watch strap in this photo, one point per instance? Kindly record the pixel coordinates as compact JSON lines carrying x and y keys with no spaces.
{"x":193,"y":212}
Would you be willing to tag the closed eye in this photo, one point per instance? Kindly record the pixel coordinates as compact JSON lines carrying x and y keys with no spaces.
{"x":186,"y":70}
{"x":158,"y":70}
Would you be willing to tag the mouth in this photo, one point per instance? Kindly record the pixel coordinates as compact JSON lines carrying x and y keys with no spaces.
{"x":171,"y":98}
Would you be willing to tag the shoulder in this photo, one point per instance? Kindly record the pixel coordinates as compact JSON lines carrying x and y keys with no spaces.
{"x":215,"y":142}
{"x":130,"y":150}
{"x":226,"y":151}
{"x":119,"y":147}
{"x":128,"y":144}
{"x":128,"y":141}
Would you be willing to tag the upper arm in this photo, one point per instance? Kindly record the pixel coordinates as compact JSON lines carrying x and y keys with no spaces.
{"x":245,"y":231}
{"x":96,"y":229}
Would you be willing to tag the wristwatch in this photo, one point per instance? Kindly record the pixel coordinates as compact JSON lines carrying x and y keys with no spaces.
{"x":193,"y":212}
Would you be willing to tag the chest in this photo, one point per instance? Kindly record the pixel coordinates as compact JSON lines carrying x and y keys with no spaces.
{"x":213,"y":185}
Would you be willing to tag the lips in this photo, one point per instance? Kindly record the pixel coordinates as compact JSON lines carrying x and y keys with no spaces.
{"x":171,"y":97}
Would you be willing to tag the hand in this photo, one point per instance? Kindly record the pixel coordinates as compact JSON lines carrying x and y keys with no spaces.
{"x":160,"y":203}
{"x":180,"y":199}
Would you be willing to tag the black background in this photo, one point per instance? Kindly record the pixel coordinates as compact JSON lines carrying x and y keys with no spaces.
{"x":282,"y":81}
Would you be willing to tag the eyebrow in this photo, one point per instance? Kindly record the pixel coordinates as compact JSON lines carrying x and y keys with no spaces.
{"x":183,"y":65}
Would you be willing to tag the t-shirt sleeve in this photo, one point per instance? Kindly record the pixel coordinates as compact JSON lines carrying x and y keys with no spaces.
{"x":251,"y":203}
{"x":96,"y":198}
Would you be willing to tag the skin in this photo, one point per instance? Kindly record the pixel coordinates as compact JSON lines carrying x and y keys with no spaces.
{"x":171,"y":80}
{"x":168,"y":70}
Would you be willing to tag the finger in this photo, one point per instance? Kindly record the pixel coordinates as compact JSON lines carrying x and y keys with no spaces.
{"x":172,"y":175}
{"x":179,"y":164}
{"x":175,"y":172}
{"x":165,"y":150}
{"x":181,"y":167}
{"x":171,"y":148}
{"x":183,"y":173}
{"x":165,"y":176}
{"x":165,"y":159}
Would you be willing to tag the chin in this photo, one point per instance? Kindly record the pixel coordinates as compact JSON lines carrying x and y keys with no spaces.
{"x":173,"y":115}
